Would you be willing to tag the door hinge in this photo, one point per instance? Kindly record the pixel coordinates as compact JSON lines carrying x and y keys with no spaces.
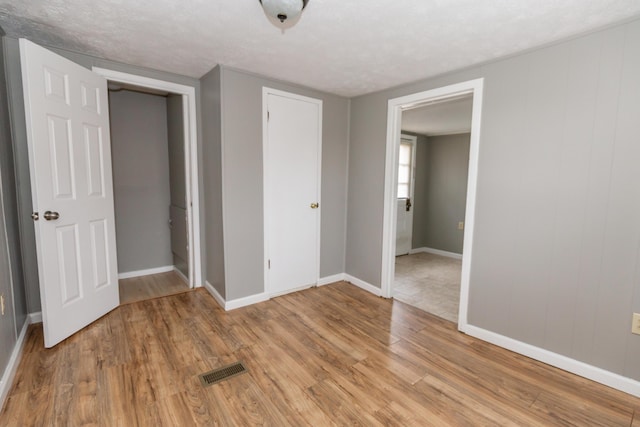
{"x":268,"y":116}
{"x":269,"y":264}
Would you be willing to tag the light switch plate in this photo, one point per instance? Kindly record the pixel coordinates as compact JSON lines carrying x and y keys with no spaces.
{"x":635,"y":327}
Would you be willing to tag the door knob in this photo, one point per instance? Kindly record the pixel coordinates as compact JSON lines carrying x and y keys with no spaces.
{"x":49,"y":216}
{"x":315,"y":205}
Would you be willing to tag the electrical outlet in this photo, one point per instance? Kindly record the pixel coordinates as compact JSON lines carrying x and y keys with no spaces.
{"x":635,"y":326}
{"x":461,"y":225}
{"x":2,"y":304}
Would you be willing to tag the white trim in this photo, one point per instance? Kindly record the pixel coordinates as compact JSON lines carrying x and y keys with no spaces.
{"x":265,"y":187}
{"x":394,"y":121}
{"x":327,"y":280}
{"x":451,"y":132}
{"x":180,"y":274}
{"x":35,"y":317}
{"x":290,"y":291}
{"x":147,"y":272}
{"x":582,"y":369}
{"x":435,"y":252}
{"x":236,"y":303}
{"x":266,"y":91}
{"x":191,"y":157}
{"x":243,"y":302}
{"x":214,"y":293}
{"x":363,"y":285}
{"x":12,"y":366}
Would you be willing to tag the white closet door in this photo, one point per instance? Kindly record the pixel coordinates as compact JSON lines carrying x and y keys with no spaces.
{"x":292,"y":191}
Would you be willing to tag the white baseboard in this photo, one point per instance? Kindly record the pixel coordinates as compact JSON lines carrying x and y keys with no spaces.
{"x":331,"y":279}
{"x":254,"y":299}
{"x":363,"y":285}
{"x":243,"y":302}
{"x":12,"y":367}
{"x":35,"y":317}
{"x":582,"y":369}
{"x":214,"y":293}
{"x":180,"y":274}
{"x":290,"y":291}
{"x":236,"y":303}
{"x":147,"y":272}
{"x":436,"y":252}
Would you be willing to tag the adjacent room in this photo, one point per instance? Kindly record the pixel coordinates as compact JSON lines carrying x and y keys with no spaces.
{"x":432,"y":195}
{"x":305,"y":212}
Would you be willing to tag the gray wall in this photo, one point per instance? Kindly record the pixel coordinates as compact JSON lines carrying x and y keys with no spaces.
{"x":11,"y":277}
{"x":177,"y":178}
{"x":242,"y":179}
{"x":175,"y":137}
{"x":556,"y":254}
{"x":16,"y":104}
{"x":9,"y":194}
{"x":140,"y":179}
{"x":212,"y":190}
{"x":23,"y":180}
{"x":442,"y":164}
{"x":8,"y":324}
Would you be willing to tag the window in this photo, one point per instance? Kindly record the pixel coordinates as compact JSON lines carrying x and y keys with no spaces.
{"x":405,"y":167}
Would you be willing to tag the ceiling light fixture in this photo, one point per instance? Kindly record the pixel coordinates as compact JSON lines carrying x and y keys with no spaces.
{"x":283,"y":9}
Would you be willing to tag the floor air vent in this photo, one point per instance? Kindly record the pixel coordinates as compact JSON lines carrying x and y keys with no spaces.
{"x":221,"y":374}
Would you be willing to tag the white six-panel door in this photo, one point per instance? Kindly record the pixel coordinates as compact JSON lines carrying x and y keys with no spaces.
{"x":70,"y":160}
{"x":292,"y":149}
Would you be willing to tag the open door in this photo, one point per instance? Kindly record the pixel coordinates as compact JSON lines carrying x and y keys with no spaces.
{"x":67,"y":120}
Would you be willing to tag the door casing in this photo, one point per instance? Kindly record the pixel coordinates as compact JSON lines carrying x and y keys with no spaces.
{"x":394,"y":122}
{"x":191,"y":157}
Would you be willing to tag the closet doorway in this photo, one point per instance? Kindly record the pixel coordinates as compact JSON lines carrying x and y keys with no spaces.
{"x":153,"y":185}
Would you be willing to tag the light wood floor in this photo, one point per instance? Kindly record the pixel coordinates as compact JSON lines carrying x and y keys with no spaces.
{"x":429,"y":282}
{"x":334,"y":355}
{"x":151,"y":286}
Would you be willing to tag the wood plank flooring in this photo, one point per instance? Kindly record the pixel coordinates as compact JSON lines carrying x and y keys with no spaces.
{"x":334,"y":355}
{"x":151,"y":286}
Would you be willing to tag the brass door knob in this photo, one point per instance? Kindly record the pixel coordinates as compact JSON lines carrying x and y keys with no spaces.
{"x":315,"y":205}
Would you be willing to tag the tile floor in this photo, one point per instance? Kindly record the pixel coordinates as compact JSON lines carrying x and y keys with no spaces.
{"x":429,"y":282}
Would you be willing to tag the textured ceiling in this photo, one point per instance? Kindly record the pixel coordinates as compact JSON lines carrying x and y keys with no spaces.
{"x":440,"y":118}
{"x":343,"y":47}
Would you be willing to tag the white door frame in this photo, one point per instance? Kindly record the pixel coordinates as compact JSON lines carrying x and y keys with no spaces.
{"x":191,"y":157}
{"x":394,"y":123}
{"x":266,"y":91}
